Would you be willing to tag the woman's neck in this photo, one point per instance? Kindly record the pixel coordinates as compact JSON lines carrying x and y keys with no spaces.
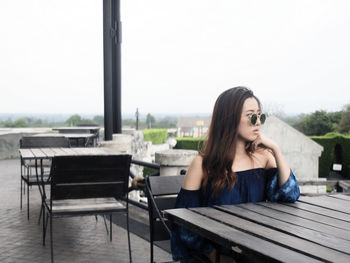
{"x":241,"y":148}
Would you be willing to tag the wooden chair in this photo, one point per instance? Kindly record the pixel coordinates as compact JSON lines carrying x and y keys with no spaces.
{"x":87,"y":185}
{"x":161,"y":194}
{"x":28,"y":177}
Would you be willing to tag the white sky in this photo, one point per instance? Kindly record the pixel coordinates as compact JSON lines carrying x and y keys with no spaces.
{"x":177,"y":56}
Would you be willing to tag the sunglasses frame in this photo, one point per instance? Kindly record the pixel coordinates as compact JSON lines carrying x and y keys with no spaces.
{"x":254,"y":118}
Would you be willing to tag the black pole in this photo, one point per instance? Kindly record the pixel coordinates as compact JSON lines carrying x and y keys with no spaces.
{"x":137,"y":118}
{"x":112,"y":67}
{"x":116,"y":96}
{"x":107,"y":64}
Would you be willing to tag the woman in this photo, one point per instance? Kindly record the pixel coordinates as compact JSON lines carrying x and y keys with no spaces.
{"x":237,"y":165}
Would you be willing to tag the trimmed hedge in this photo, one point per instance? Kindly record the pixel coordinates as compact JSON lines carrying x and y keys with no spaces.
{"x":190,"y":143}
{"x":156,"y":136}
{"x":329,"y":142}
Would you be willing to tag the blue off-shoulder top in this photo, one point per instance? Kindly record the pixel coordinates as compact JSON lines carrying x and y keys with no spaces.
{"x":254,"y":185}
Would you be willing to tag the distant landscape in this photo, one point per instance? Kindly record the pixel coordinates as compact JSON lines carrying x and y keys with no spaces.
{"x":317,"y":123}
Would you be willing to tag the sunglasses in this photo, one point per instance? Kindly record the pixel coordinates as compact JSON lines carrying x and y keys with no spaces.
{"x":254,"y":119}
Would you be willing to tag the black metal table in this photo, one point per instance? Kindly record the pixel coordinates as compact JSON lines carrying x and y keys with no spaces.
{"x":314,"y":229}
{"x":95,"y":130}
{"x":76,"y":139}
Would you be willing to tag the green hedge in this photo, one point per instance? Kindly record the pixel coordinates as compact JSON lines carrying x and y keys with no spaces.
{"x":190,"y":143}
{"x":156,"y":136}
{"x":329,"y":141}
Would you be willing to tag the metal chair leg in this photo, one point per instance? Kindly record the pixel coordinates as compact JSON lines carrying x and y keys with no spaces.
{"x":110,"y":225}
{"x":44,"y":226}
{"x":127,"y":226}
{"x":21,"y":189}
{"x":104,"y":219}
{"x":41,"y":211}
{"x":151,"y":245}
{"x":51,"y":239}
{"x":46,"y":222}
{"x":28,"y":203}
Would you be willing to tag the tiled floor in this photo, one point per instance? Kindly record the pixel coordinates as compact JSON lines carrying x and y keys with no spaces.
{"x":76,"y":239}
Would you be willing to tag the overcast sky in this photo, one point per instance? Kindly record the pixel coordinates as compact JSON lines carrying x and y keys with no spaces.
{"x":177,"y":56}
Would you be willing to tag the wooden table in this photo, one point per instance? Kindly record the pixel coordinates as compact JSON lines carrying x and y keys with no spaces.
{"x":314,"y":229}
{"x":49,"y":153}
{"x":74,"y":138}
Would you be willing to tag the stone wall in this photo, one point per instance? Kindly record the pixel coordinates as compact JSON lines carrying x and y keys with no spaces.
{"x":301,"y":153}
{"x":9,"y":140}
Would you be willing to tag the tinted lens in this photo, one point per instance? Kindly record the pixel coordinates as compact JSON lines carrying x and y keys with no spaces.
{"x":253,"y":119}
{"x":262,"y":118}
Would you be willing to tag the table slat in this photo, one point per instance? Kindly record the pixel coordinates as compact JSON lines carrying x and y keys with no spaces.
{"x":68,"y":151}
{"x":307,"y":215}
{"x":324,"y":201}
{"x":58,"y":151}
{"x":320,"y":210}
{"x":340,"y":196}
{"x":48,"y":152}
{"x":38,"y":154}
{"x":292,"y":219}
{"x":26,"y":154}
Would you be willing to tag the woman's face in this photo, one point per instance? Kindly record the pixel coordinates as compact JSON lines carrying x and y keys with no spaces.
{"x":246,"y":130}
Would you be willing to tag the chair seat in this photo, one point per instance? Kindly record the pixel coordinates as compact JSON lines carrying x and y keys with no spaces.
{"x":89,"y":205}
{"x":31,"y":179}
{"x":31,"y":163}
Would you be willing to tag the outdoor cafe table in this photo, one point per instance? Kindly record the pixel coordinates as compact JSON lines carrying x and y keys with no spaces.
{"x":48,"y":153}
{"x":76,"y":137}
{"x":313,"y":229}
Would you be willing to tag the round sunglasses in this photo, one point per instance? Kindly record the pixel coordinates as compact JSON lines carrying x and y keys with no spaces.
{"x":254,"y":119}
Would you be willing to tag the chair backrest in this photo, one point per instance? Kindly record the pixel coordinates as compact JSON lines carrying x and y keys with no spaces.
{"x":78,"y":177}
{"x":43,"y":142}
{"x":163,"y":190}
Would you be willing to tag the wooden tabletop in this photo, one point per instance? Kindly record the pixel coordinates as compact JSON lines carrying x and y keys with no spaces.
{"x":67,"y":135}
{"x":313,"y":229}
{"x":48,"y":153}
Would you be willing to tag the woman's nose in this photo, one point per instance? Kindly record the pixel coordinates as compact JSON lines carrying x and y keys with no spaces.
{"x":258,"y":122}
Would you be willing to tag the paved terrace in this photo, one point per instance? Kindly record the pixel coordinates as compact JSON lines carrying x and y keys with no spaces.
{"x":76,"y":239}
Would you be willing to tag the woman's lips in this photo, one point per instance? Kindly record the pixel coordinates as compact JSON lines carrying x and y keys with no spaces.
{"x":256,"y":131}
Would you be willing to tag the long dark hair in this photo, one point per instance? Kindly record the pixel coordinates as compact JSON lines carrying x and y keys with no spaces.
{"x":219,"y":150}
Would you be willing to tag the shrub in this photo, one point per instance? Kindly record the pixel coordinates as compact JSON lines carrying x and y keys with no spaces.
{"x":190,"y":143}
{"x":328,"y":156}
{"x":156,"y":136}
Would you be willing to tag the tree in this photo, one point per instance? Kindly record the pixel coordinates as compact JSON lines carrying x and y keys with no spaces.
{"x":19,"y":123}
{"x":99,"y":119}
{"x":317,"y":123}
{"x":73,"y":120}
{"x":344,"y":124}
{"x":335,"y":118}
{"x":150,"y":120}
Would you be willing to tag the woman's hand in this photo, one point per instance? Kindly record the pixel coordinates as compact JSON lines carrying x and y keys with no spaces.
{"x":283,"y":168}
{"x":265,"y":142}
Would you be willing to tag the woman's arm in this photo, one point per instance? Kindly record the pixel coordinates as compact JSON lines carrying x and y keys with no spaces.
{"x":275,"y":158}
{"x":194,"y":175}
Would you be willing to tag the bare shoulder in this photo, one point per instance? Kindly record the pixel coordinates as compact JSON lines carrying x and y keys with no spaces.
{"x":265,"y":158}
{"x":194,"y":175}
